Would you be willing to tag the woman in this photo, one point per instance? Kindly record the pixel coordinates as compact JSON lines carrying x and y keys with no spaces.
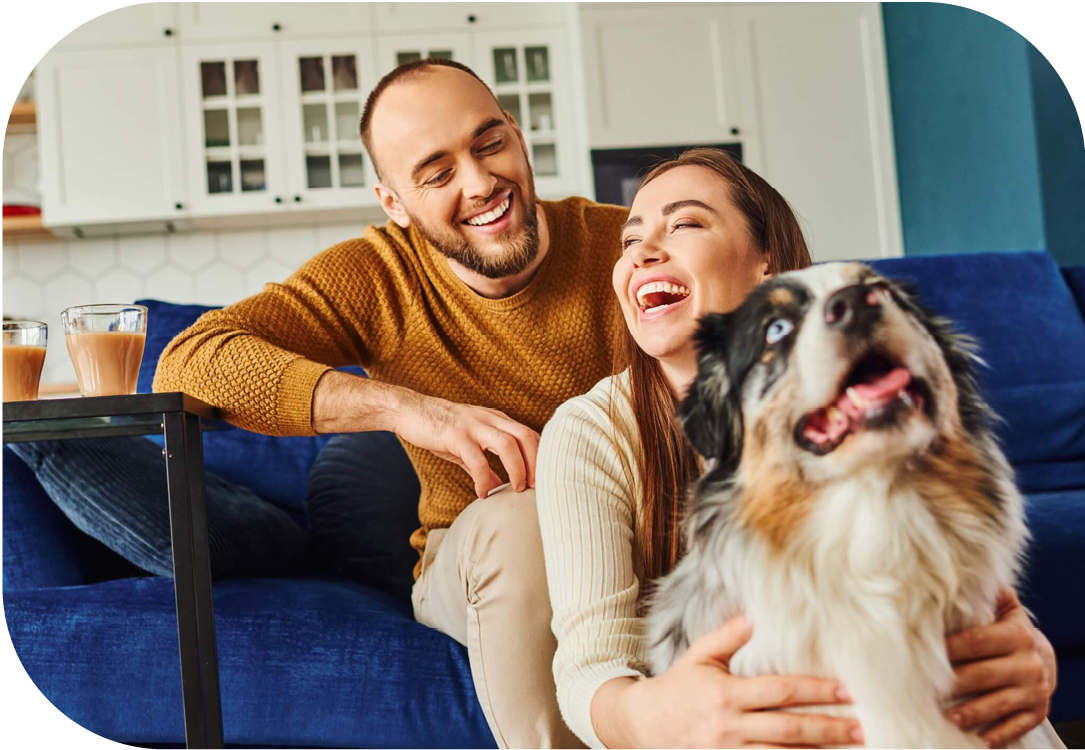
{"x":702,"y":232}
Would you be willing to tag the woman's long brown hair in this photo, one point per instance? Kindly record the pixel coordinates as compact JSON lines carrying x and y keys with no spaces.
{"x":666,"y":462}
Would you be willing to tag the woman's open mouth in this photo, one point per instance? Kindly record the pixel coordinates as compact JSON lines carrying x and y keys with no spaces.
{"x":878,"y":392}
{"x":659,"y":297}
{"x":493,"y":218}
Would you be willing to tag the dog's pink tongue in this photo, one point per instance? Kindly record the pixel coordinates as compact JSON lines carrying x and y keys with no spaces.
{"x":884,"y":387}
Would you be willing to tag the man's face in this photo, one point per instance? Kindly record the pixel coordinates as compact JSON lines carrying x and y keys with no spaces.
{"x":459,"y":170}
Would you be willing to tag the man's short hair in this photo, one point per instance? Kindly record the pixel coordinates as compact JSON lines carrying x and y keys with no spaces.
{"x":406,"y":72}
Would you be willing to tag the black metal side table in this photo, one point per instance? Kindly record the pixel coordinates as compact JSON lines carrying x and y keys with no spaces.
{"x":177,"y":417}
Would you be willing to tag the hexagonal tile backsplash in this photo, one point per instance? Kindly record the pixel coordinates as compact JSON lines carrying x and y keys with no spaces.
{"x":209,"y":268}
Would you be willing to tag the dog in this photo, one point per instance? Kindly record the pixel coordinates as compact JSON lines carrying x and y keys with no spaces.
{"x":856,"y":505}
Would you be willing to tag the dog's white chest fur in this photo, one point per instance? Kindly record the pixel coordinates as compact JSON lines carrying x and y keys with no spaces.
{"x":865,"y":594}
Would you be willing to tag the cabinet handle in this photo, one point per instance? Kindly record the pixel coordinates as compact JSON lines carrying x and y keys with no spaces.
{"x":77,"y":232}
{"x":278,"y":199}
{"x":179,"y":206}
{"x":734,"y":131}
{"x":168,"y":32}
{"x":276,"y":27}
{"x":471,"y":18}
{"x":297,"y":199}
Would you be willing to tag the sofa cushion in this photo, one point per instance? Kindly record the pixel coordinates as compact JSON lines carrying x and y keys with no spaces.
{"x":362,"y":507}
{"x":114,"y":490}
{"x":1055,"y":566}
{"x":275,"y":468}
{"x":1032,"y":337}
{"x":303,"y":663}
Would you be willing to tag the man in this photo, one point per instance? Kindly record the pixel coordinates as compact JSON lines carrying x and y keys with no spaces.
{"x":476,"y":311}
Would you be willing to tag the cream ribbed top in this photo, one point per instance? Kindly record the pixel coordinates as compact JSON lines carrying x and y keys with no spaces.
{"x":586,"y":506}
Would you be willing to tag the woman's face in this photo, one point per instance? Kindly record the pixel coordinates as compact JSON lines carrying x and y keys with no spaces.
{"x":685,"y":253}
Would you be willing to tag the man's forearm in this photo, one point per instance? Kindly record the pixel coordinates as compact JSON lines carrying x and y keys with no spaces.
{"x":348,"y":403}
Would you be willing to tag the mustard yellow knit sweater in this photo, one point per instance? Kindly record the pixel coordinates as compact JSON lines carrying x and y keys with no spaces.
{"x":390,"y":303}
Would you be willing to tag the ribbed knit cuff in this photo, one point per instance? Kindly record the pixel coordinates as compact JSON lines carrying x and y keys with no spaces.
{"x":295,"y":401}
{"x":577,"y":707}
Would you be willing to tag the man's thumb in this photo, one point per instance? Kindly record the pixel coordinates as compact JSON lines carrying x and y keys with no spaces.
{"x":719,"y":645}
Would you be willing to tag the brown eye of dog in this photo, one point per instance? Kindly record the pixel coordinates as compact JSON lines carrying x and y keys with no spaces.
{"x":778,"y":329}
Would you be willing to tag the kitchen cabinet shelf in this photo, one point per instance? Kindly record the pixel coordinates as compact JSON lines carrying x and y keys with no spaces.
{"x":23,"y":118}
{"x":25,"y":228}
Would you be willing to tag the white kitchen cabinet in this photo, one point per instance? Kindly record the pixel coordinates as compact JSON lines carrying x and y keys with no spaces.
{"x":262,"y":20}
{"x":145,"y":23}
{"x":109,"y":128}
{"x":483,"y":16}
{"x":661,"y":76}
{"x":325,"y":85}
{"x":233,"y":118}
{"x":530,"y":74}
{"x":397,"y":49}
{"x":816,"y":76}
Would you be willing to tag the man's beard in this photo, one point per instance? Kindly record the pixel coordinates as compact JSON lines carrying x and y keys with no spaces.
{"x":520,"y":251}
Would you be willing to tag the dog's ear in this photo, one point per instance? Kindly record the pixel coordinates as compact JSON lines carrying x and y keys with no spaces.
{"x":711,"y":413}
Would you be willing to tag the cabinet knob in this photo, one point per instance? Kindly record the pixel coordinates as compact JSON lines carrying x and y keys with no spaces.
{"x":168,"y":32}
{"x":179,"y":206}
{"x":276,"y":27}
{"x":297,"y":199}
{"x":77,"y":232}
{"x":278,"y":199}
{"x":734,"y":131}
{"x":472,"y":18}
{"x":170,"y":227}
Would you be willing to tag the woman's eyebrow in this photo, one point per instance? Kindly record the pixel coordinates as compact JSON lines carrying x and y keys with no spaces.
{"x":670,"y":208}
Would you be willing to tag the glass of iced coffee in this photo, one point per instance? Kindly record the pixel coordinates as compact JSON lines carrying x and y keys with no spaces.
{"x":24,"y":355}
{"x":106,"y":346}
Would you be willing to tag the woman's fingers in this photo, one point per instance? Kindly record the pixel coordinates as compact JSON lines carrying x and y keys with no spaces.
{"x":777,"y":691}
{"x":991,"y":707}
{"x":988,"y":674}
{"x":1012,"y":728}
{"x":985,"y":641}
{"x":719,"y":645}
{"x":800,"y":729}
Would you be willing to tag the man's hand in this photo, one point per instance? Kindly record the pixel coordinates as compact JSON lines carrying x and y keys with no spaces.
{"x":457,"y":433}
{"x":462,"y":434}
{"x":1011,"y":665}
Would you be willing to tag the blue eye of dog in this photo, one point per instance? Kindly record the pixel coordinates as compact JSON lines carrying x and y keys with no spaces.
{"x":778,"y":329}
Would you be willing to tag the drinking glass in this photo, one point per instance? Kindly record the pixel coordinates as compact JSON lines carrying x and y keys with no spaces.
{"x":24,"y":355}
{"x":106,"y":346}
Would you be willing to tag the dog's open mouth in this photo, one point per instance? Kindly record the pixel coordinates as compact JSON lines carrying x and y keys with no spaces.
{"x":877,"y":393}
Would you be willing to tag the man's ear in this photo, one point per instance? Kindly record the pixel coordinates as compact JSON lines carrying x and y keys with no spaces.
{"x":391,"y":205}
{"x":711,"y":413}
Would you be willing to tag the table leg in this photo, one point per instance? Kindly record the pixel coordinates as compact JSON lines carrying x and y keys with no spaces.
{"x":192,"y":580}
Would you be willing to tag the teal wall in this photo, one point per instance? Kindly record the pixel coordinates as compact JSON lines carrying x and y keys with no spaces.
{"x":966,"y":144}
{"x":1062,"y":161}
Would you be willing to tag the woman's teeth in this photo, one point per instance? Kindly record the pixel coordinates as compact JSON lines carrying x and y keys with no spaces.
{"x":490,"y":216}
{"x":660,"y":288}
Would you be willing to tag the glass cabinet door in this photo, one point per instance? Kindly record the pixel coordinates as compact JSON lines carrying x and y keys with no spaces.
{"x":528,"y":75}
{"x":234,"y":104}
{"x":325,"y":87}
{"x":396,"y":49}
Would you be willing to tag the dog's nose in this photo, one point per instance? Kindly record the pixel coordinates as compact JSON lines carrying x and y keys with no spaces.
{"x":852,"y":308}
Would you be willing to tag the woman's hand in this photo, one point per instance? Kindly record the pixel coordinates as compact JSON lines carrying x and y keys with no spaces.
{"x":698,"y":703}
{"x":1010,"y":665}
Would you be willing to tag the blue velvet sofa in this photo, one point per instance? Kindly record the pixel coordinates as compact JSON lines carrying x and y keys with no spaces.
{"x":320,"y":661}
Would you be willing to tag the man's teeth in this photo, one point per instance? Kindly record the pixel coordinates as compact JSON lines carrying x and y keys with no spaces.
{"x":659,"y":286}
{"x":490,"y":216}
{"x":856,"y":399}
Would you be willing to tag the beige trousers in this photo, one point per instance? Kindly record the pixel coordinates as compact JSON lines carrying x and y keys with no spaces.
{"x":483,"y":582}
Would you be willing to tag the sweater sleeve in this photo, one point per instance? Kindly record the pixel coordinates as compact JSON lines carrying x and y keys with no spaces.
{"x":259,"y":360}
{"x":586,"y":511}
